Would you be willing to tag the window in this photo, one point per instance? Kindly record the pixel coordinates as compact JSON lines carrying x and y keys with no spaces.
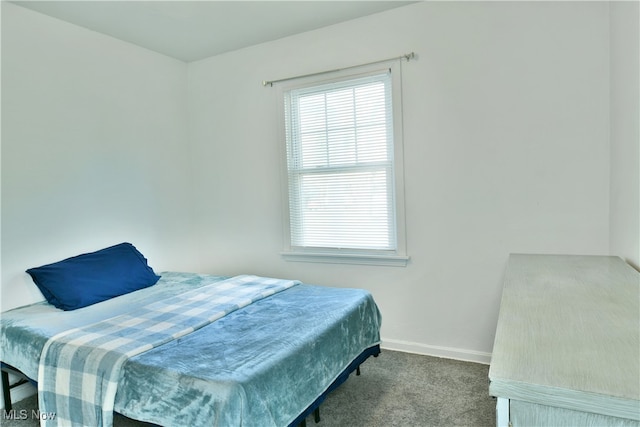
{"x":342,"y":171}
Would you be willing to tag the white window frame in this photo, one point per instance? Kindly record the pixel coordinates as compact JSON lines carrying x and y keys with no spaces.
{"x":397,"y":257}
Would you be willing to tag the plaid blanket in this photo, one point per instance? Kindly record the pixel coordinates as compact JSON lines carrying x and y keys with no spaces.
{"x":80,"y":368}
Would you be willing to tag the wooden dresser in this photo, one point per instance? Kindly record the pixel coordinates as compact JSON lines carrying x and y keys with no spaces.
{"x":567,"y":345}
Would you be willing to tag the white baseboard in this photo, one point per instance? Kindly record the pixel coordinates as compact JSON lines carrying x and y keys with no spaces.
{"x":22,"y":392}
{"x":437,"y":351}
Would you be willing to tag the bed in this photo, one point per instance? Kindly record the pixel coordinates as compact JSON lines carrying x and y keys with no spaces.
{"x":269,"y":361}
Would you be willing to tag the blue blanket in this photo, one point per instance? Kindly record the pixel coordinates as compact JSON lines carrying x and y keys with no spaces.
{"x":261,"y":365}
{"x":80,"y":368}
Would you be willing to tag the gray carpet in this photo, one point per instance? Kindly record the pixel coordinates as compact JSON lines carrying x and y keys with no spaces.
{"x":394,"y":389}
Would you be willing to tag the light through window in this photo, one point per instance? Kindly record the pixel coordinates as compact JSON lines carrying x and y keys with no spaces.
{"x":340,"y":165}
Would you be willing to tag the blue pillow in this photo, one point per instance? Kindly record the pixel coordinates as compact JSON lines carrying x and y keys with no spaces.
{"x":86,"y":279}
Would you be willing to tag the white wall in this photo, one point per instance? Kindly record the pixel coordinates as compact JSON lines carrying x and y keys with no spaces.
{"x":625,"y":131}
{"x":506,"y":125}
{"x":94,"y":149}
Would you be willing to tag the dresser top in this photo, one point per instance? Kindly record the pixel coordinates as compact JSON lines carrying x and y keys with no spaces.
{"x":569,"y":325}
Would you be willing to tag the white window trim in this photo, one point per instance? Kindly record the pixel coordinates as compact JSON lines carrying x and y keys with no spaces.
{"x":398,"y":257}
{"x":346,"y":258}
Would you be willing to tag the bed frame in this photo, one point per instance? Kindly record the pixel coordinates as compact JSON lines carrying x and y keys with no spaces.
{"x":7,"y":386}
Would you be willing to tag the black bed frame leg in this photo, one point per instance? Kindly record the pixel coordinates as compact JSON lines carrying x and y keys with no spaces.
{"x":6,"y":390}
{"x":316,"y":415}
{"x":358,"y":370}
{"x":303,"y":423}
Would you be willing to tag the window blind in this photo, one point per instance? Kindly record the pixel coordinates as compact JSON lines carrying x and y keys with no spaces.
{"x":340,"y":165}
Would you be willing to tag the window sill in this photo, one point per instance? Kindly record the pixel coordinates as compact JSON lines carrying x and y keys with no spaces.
{"x":333,"y":258}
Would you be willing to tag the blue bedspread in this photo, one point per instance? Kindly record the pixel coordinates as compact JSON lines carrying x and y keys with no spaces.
{"x":261,"y":365}
{"x":80,"y":368}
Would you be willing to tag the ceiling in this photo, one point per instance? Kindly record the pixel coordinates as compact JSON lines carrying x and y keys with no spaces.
{"x":193,"y":30}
